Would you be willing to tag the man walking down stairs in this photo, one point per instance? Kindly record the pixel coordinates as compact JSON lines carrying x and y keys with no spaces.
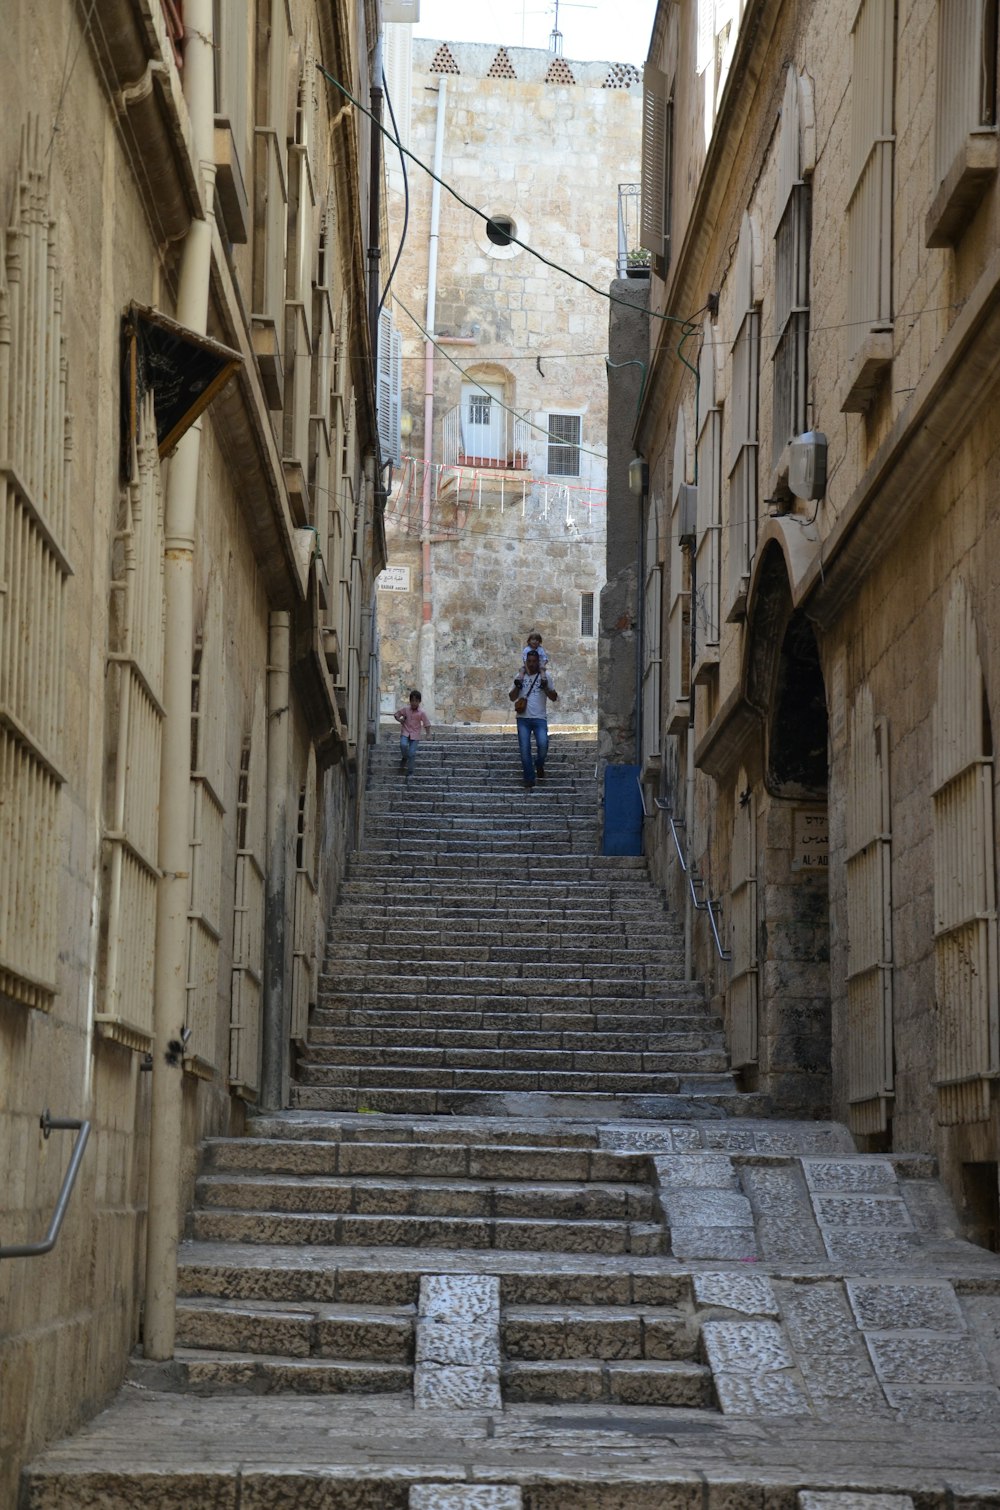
{"x":519,"y":1241}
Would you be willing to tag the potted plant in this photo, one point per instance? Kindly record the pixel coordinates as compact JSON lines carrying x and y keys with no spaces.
{"x":637,"y":262}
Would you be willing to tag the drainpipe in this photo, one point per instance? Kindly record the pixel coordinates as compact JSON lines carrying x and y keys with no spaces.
{"x":174,"y":838}
{"x":375,"y":204}
{"x":272,"y":1072}
{"x":425,"y":650}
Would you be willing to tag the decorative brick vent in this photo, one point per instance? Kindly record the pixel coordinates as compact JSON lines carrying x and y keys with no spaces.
{"x":621,"y":76}
{"x":501,"y":67}
{"x":443,"y":61}
{"x":559,"y":72}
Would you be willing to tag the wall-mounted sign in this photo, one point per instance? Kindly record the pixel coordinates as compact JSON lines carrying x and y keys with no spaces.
{"x":394,"y":579}
{"x":810,"y":838}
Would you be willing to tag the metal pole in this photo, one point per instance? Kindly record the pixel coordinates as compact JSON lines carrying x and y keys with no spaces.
{"x":173,"y":892}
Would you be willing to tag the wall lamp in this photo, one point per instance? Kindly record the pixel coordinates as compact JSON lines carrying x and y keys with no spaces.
{"x":638,"y":477}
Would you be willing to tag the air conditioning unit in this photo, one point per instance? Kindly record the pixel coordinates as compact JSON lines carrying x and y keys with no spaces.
{"x":807,"y":465}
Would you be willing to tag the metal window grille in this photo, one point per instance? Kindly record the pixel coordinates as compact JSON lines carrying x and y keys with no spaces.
{"x":587,"y":614}
{"x":135,"y":673}
{"x":35,"y":447}
{"x":869,"y":210}
{"x":246,"y":998}
{"x":709,"y":455}
{"x":564,"y":445}
{"x":304,"y":941}
{"x":271,"y":168}
{"x":966,"y":75}
{"x":869,"y":920}
{"x":679,"y":619}
{"x":208,"y":736}
{"x":743,"y":419}
{"x":965,"y":922}
{"x":791,"y":354}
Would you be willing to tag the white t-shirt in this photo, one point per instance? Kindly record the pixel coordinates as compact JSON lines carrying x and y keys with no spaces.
{"x":538,"y":703}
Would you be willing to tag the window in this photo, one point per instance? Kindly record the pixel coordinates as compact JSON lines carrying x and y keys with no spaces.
{"x":868,"y":815}
{"x":965,"y":144}
{"x":965,"y":925}
{"x":869,"y":208}
{"x":709,"y":523}
{"x":743,"y":419}
{"x":500,"y":229}
{"x":246,"y":996}
{"x":657,"y":166}
{"x":681,"y":531}
{"x":791,"y":267}
{"x":587,"y":614}
{"x":652,"y":655}
{"x":564,"y":445}
{"x":35,"y":448}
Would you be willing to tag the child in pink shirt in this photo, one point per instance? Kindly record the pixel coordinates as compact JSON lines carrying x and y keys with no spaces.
{"x":413,"y":721}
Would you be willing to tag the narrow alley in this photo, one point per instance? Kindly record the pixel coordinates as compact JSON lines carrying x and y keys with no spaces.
{"x":520,"y":1242}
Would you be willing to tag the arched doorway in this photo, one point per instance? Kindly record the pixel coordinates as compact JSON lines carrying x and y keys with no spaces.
{"x":785,"y":684}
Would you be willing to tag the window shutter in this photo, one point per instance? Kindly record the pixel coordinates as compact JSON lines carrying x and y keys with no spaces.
{"x":706,"y":34}
{"x":655,"y":143}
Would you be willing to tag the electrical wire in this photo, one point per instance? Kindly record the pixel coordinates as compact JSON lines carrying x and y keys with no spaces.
{"x":468,"y":205}
{"x":474,"y":383}
{"x":406,"y":194}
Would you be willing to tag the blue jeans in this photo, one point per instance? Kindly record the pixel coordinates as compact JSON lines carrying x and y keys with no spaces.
{"x":525,"y":728}
{"x":408,"y":752}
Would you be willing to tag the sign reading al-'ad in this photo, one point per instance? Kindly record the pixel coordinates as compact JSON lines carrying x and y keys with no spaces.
{"x":810,"y":839}
{"x":394,"y":579}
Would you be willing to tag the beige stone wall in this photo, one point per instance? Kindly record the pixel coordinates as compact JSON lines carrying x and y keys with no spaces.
{"x":550,"y":157}
{"x":71,"y":1318}
{"x":910,"y":508}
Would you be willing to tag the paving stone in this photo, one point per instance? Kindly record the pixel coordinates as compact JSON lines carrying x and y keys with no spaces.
{"x":810,"y":1499}
{"x":850,"y":1176}
{"x":937,"y":1359}
{"x":750,"y":1293}
{"x":695,"y":1170}
{"x":465,"y":1497}
{"x":474,"y":1387}
{"x":903,"y":1307}
{"x":830,"y":1351}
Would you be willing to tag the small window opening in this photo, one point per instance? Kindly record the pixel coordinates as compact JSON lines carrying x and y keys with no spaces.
{"x":300,"y":832}
{"x":196,"y":705}
{"x":500,"y":230}
{"x":243,"y":796}
{"x":981,"y":1189}
{"x":587,"y":614}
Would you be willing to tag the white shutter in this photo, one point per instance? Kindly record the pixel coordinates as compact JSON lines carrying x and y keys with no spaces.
{"x":655,"y":145}
{"x":706,"y":34}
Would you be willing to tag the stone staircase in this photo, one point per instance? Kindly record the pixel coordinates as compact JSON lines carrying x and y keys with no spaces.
{"x":520,"y":1244}
{"x":483,"y":959}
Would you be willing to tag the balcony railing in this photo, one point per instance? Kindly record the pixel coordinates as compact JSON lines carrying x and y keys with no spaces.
{"x":499,"y":444}
{"x":633,"y":258}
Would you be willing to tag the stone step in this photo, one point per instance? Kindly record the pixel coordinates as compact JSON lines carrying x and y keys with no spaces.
{"x":537,"y":1333}
{"x":346,"y":949}
{"x":681,"y":1105}
{"x":460,"y":1013}
{"x":390,"y":1276}
{"x":373,"y":1195}
{"x":371,"y":1230}
{"x":677,"y":1041}
{"x":374,"y":1333}
{"x":206,"y":1372}
{"x":628,"y":1382}
{"x":588,"y":1061}
{"x":458,"y":1160}
{"x":603,"y":982}
{"x":538,"y":964}
{"x":384,"y":1077}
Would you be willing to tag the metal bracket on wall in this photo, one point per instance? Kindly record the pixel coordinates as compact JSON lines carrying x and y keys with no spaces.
{"x":50,"y":1124}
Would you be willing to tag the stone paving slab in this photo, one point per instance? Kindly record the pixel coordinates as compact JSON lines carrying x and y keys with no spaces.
{"x":689,"y":1458}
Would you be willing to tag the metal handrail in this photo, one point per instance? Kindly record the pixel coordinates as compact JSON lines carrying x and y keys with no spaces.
{"x":705,"y":904}
{"x":59,"y":1124}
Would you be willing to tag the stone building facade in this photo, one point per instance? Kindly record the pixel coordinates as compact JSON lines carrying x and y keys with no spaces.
{"x":497,"y":520}
{"x":189,"y":534}
{"x":820,"y":690}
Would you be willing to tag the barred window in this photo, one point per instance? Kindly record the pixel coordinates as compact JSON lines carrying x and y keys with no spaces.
{"x":564,"y":445}
{"x":587,"y":614}
{"x":791,"y":272}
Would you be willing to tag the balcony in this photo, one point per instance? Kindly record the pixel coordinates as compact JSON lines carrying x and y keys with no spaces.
{"x":490,"y":438}
{"x":633,"y":259}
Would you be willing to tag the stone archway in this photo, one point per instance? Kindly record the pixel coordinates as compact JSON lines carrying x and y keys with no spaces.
{"x":785,"y":684}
